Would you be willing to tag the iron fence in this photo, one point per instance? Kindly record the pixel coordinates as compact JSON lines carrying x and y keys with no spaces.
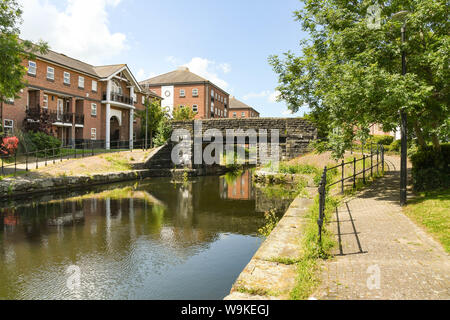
{"x":25,"y":161}
{"x":324,"y":185}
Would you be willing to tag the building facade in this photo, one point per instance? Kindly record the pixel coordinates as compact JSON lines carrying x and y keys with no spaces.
{"x":182,"y":88}
{"x":82,"y":103}
{"x":238,"y":109}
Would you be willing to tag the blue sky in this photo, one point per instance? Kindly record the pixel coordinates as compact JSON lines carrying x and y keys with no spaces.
{"x":227,"y":42}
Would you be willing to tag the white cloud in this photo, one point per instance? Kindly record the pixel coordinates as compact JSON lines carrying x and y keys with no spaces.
{"x":142,"y":75}
{"x":80,"y":30}
{"x":225,"y":67}
{"x":271,"y":96}
{"x":208,"y":70}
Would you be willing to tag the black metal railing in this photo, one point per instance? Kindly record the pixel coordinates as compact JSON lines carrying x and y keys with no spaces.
{"x":18,"y":162}
{"x":54,"y":116}
{"x":324,"y":185}
{"x":119,"y":98}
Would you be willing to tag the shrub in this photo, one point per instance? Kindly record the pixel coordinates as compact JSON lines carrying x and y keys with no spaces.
{"x":384,"y":140}
{"x":9,"y":146}
{"x":40,"y":141}
{"x":431,"y":168}
{"x":395,"y":146}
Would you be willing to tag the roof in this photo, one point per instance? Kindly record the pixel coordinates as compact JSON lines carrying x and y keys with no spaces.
{"x":181,"y":75}
{"x":106,"y":71}
{"x":66,"y":61}
{"x":236,"y":104}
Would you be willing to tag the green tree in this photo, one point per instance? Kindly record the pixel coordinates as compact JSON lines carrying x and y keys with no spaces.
{"x":350,"y":74}
{"x":183,"y":113}
{"x":164,"y":131}
{"x":154,"y":113}
{"x":12,"y":52}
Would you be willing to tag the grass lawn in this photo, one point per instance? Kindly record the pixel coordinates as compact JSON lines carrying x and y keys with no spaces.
{"x":432,"y":211}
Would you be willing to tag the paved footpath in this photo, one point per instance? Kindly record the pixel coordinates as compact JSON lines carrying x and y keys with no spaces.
{"x":381,"y":253}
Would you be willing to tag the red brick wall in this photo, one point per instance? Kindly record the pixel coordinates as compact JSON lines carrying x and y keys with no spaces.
{"x":248,"y":113}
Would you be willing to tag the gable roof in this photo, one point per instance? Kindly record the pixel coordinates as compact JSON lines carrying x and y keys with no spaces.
{"x":236,"y":104}
{"x":181,"y":75}
{"x":106,"y":71}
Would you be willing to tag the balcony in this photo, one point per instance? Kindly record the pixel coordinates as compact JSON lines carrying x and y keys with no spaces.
{"x":79,"y":119}
{"x":39,"y":114}
{"x":119,"y":98}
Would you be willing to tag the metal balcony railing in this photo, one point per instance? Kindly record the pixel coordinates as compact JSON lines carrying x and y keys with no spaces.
{"x":119,"y":98}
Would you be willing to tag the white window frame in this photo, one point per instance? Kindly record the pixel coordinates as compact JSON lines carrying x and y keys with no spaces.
{"x":243,"y":114}
{"x":212,"y":106}
{"x":94,"y":86}
{"x":93,"y":133}
{"x":93,"y":109}
{"x":32,"y":69}
{"x":135,"y":98}
{"x":66,"y":77}
{"x":50,"y":75}
{"x":143,"y":99}
{"x":11,"y":126}
{"x":212,"y":93}
{"x":195,"y":108}
{"x":182,"y":93}
{"x":195,"y":92}
{"x":234,"y":115}
{"x":81,"y":82}
{"x":45,"y":101}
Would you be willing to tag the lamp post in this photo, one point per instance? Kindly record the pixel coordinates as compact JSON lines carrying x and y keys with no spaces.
{"x":146,"y":122}
{"x":403,"y":118}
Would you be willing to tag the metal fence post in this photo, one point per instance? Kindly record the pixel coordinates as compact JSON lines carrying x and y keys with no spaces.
{"x":37,"y":165}
{"x":15,"y":163}
{"x":3,"y":171}
{"x":354,"y":173}
{"x":61,"y":153}
{"x":342,"y":181}
{"x":378,"y":159}
{"x":364,"y":169}
{"x":371,"y":160}
{"x":53,"y":155}
{"x":382,"y":159}
{"x":92,"y":146}
{"x":26,"y":161}
{"x":45,"y":157}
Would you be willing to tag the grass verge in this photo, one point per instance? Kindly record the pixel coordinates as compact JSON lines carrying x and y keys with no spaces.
{"x":432,"y":211}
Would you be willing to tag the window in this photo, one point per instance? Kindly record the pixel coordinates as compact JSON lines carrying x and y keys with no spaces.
{"x":94,"y":85}
{"x":212,"y":93}
{"x":45,"y":102}
{"x":143,"y":99}
{"x":225,"y":113}
{"x":225,"y":100}
{"x":134,"y":98}
{"x":66,"y":78}
{"x":32,"y":67}
{"x":8,"y":125}
{"x":243,"y":115}
{"x":93,"y":134}
{"x":234,"y":115}
{"x":195,"y":92}
{"x":195,"y":108}
{"x":50,"y":73}
{"x":10,"y":100}
{"x":93,"y":109}
{"x":81,"y":82}
{"x":212,"y":106}
{"x":182,"y":93}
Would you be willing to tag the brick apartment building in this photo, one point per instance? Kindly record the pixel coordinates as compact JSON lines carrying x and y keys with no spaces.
{"x":238,"y":109}
{"x":182,"y":88}
{"x":83,"y":103}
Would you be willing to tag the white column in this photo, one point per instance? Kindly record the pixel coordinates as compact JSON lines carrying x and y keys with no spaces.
{"x":131,"y":117}
{"x":131,"y":128}
{"x":108,"y":126}
{"x":108,"y":115}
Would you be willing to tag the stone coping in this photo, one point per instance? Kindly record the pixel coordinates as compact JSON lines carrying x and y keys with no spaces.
{"x":266,"y":277}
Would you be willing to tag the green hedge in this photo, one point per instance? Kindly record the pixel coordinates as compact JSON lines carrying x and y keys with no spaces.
{"x":38,"y":141}
{"x":431,"y":169}
{"x":384,"y":140}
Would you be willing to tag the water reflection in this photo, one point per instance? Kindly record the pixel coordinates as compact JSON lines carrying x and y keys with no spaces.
{"x":154,"y":240}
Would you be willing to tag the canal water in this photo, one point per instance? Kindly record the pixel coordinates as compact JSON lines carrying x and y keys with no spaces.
{"x":156,"y":239}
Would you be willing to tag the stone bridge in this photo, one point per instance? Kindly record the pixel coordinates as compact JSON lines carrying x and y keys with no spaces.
{"x":295,"y":135}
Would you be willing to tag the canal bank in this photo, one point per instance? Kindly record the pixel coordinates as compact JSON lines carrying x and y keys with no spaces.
{"x":272,"y":272}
